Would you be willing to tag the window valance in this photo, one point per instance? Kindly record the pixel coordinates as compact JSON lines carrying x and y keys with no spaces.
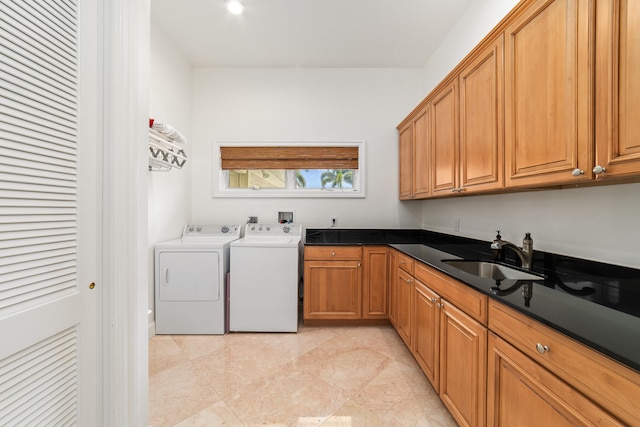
{"x":289,"y":157}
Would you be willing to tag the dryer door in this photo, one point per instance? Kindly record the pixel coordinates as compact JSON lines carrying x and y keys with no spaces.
{"x":189,"y":276}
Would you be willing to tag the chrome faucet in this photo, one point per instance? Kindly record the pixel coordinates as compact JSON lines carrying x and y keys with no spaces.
{"x":525,"y":253}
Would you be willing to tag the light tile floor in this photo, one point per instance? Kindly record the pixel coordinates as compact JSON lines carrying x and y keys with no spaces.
{"x":321,"y":376}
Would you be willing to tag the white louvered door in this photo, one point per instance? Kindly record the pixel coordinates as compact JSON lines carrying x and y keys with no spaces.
{"x":48,"y":211}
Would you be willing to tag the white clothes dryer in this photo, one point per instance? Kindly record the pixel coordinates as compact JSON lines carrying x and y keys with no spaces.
{"x":265,"y":272}
{"x":190,"y":278}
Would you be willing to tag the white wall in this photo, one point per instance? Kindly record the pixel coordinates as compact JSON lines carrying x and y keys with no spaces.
{"x":305,"y":105}
{"x":169,"y":193}
{"x":477,"y":21}
{"x":598,"y":223}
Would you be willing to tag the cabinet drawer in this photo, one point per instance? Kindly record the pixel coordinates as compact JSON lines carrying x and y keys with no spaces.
{"x":333,"y":253}
{"x":605,"y":381}
{"x":462,"y":296}
{"x":406,"y":263}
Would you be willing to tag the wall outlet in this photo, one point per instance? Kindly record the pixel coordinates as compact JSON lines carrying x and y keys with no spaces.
{"x":334,"y":221}
{"x":457,"y":225}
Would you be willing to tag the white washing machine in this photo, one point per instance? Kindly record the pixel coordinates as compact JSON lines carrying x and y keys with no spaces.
{"x":265,"y":272}
{"x":190,"y":277}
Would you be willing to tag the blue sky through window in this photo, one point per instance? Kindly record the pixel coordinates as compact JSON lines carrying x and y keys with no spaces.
{"x":313,"y":178}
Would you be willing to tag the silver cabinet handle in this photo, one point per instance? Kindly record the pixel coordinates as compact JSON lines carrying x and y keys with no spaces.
{"x":166,"y":276}
{"x":333,"y":254}
{"x":542,"y":349}
{"x":599,"y":169}
{"x":577,"y":172}
{"x":433,"y":300}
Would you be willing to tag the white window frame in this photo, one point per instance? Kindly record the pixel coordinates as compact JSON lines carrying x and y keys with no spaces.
{"x":219,"y":176}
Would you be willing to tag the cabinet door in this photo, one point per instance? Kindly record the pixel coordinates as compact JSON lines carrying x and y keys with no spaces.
{"x":426,"y":331}
{"x":618,"y":88}
{"x":405,"y":166}
{"x":548,"y":101}
{"x":522,"y":393}
{"x":421,"y":157}
{"x":444,"y":141}
{"x":332,"y":290}
{"x":463,"y":364}
{"x":482,"y":121}
{"x":375,"y":286}
{"x":393,"y":286}
{"x":403,"y":304}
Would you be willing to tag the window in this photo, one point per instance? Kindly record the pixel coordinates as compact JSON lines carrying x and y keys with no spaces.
{"x":288,"y":169}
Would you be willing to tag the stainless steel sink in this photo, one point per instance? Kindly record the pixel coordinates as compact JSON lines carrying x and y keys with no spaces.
{"x":491,"y":270}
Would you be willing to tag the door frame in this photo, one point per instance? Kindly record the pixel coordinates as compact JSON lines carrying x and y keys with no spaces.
{"x":124,"y":80}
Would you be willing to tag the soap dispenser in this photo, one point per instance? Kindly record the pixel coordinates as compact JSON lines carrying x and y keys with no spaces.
{"x":497,"y":253}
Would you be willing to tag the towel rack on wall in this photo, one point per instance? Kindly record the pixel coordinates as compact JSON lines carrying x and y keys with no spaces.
{"x":165,"y":147}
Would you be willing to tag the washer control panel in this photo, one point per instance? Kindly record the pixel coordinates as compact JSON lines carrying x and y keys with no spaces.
{"x":275,"y":229}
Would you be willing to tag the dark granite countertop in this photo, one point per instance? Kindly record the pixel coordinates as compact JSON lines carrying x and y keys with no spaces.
{"x":595,"y":303}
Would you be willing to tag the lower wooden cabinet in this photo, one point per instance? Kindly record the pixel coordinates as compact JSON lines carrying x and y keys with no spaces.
{"x":393,"y":285}
{"x":570,"y":380}
{"x":482,"y":357}
{"x":346,"y":282}
{"x":404,"y":290}
{"x":463,"y":362}
{"x":449,"y":345}
{"x":375,"y":282}
{"x":332,"y":290}
{"x":426,"y":332}
{"x":522,"y":393}
{"x":332,"y":282}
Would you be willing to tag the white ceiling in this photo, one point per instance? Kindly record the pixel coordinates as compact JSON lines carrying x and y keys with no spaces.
{"x":308,"y":33}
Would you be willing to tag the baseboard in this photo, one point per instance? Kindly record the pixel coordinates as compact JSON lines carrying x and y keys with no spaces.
{"x":152,"y":329}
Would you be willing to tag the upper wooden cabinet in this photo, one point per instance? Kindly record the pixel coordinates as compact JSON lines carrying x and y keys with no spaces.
{"x":405,"y":157}
{"x":444,"y":140}
{"x":548,"y":98}
{"x":414,"y":156}
{"x":617,"y":88}
{"x":548,"y":94}
{"x":458,"y":136}
{"x":481,"y":157}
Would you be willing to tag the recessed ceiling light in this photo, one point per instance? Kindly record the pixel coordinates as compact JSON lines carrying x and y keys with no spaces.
{"x":236,"y":7}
